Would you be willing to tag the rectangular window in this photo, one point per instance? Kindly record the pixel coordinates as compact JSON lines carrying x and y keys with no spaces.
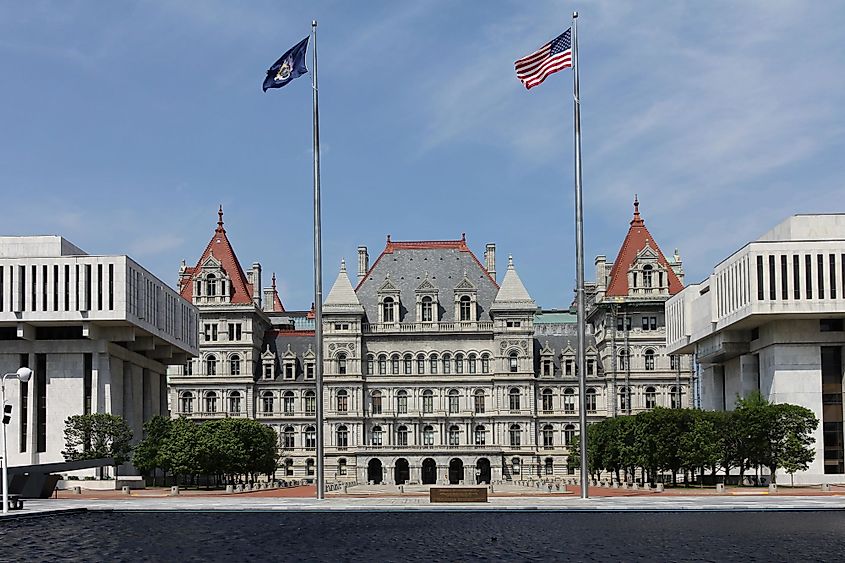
{"x":808,"y":275}
{"x":87,"y":381}
{"x":834,"y":453}
{"x":830,"y":325}
{"x":40,"y":382}
{"x":24,"y":395}
{"x":628,"y":323}
{"x":820,"y":274}
{"x":33,"y":293}
{"x":235,"y":332}
{"x":99,"y":287}
{"x":772,"y":288}
{"x":290,"y":371}
{"x":2,"y":294}
{"x":67,"y":287}
{"x":111,"y":287}
{"x":55,"y":287}
{"x":832,"y":258}
{"x":568,"y":367}
{"x":759,"y":278}
{"x":784,"y":279}
{"x":88,"y":287}
{"x":44,"y":287}
{"x":645,"y":323}
{"x":652,"y":323}
{"x":309,"y":371}
{"x":796,"y":277}
{"x":428,"y":404}
{"x":620,"y":323}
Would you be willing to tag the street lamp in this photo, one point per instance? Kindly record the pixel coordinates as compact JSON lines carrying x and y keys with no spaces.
{"x":23,"y":375}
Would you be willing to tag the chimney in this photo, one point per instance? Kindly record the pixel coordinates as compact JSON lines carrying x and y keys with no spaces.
{"x":490,"y":259}
{"x":256,"y":284}
{"x":363,"y":262}
{"x":268,"y":298}
{"x":601,"y":272}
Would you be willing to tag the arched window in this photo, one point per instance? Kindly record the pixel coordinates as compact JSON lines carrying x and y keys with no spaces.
{"x":387,"y":310}
{"x":650,"y":397}
{"x":376,"y":402}
{"x":480,"y":435}
{"x":288,"y":403}
{"x":624,"y":404}
{"x":549,"y":465}
{"x":342,"y":438}
{"x":211,"y":402}
{"x":309,"y":466}
{"x":516,"y":466}
{"x":454,"y":435}
{"x":459,"y":363}
{"x":267,"y":402}
{"x":407,"y":362}
{"x":342,"y":401}
{"x":310,"y":438}
{"x":341,"y":466}
{"x":515,"y":436}
{"x":427,"y":310}
{"x":420,"y":364}
{"x":466,"y":308}
{"x":211,"y":365}
{"x":432,"y":364}
{"x":402,"y":402}
{"x":187,"y":402}
{"x":447,"y":363}
{"x":623,"y":359}
{"x":402,"y":436}
{"x":310,"y":400}
{"x":591,"y":400}
{"x":211,"y":285}
{"x":382,"y":365}
{"x":513,"y":362}
{"x":568,"y":434}
{"x":548,"y":437}
{"x":479,"y":401}
{"x":569,"y":400}
{"x":288,"y":438}
{"x":235,"y":364}
{"x":454,"y":402}
{"x":428,"y":401}
{"x":485,"y":363}
{"x":649,"y":360}
{"x":378,"y":436}
{"x":371,"y":364}
{"x":394,"y":364}
{"x":472,"y":363}
{"x":341,"y":364}
{"x":547,"y":400}
{"x":235,"y":402}
{"x":428,"y":436}
{"x":677,"y":399}
{"x":288,"y":467}
{"x":513,"y":399}
{"x":647,"y":271}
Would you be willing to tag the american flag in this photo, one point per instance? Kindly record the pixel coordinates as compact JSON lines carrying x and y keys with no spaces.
{"x":553,"y":56}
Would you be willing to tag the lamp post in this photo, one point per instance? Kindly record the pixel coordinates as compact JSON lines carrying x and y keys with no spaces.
{"x":23,"y":375}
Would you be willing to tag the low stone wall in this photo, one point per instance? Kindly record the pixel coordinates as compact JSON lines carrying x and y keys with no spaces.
{"x":134,"y":482}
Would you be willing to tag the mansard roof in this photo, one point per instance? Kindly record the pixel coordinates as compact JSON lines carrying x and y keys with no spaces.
{"x":342,"y":297}
{"x":513,"y":295}
{"x":301,"y":344}
{"x":445,"y":263}
{"x":635,"y":242}
{"x":221,"y":249}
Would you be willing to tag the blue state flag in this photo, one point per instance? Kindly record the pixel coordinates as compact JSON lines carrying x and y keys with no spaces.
{"x":289,"y":66}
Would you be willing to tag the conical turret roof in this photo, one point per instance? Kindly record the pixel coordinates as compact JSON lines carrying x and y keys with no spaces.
{"x":342,"y":297}
{"x":512,"y":293}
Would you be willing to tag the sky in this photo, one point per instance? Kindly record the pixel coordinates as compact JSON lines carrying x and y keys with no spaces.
{"x":126,"y":124}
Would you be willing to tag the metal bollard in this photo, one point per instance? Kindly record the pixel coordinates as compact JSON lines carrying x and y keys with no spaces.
{"x":125,"y":490}
{"x":174,"y":490}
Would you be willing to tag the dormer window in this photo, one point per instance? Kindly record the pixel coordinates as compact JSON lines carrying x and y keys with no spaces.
{"x":466,"y":308}
{"x":309,"y":363}
{"x":427,"y":302}
{"x":211,"y":285}
{"x":388,"y":303}
{"x":427,"y":308}
{"x":387,"y":310}
{"x":465,"y":301}
{"x":647,"y":270}
{"x":268,"y":364}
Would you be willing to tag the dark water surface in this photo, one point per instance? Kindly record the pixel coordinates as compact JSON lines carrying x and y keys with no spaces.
{"x":379,"y":536}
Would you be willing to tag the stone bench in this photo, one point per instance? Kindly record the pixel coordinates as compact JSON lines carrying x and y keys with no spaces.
{"x":15,"y":502}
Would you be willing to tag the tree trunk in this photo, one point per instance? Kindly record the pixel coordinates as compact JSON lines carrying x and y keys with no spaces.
{"x":772,"y":471}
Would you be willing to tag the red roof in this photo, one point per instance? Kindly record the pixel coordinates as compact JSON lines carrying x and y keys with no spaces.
{"x":426,"y":245}
{"x":277,"y":303}
{"x":636,"y":240}
{"x":220,"y":247}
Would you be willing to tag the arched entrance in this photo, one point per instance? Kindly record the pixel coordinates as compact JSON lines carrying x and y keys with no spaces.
{"x":374,"y":471}
{"x":402,"y":471}
{"x":482,"y":471}
{"x":456,"y":471}
{"x":429,"y":471}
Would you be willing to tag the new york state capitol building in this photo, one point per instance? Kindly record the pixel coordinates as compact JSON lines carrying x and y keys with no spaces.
{"x":434,"y":371}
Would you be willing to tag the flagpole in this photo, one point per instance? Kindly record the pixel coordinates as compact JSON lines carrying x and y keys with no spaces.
{"x":579,"y":243}
{"x":318,"y":273}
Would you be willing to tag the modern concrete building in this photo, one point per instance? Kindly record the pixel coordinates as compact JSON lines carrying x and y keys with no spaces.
{"x":770,"y":319}
{"x":98,"y":333}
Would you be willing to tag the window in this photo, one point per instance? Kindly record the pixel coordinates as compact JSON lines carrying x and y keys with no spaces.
{"x":547,"y":367}
{"x":784,"y":279}
{"x":370,"y":365}
{"x":480,"y":435}
{"x":623,"y":359}
{"x":549,"y":466}
{"x":623,"y":399}
{"x":447,"y":363}
{"x":454,"y":400}
{"x":485,"y":363}
{"x":288,"y":438}
{"x":516,"y":466}
{"x":402,"y":402}
{"x":796,"y":277}
{"x":673,"y":362}
{"x":427,"y":308}
{"x":513,"y":324}
{"x":471,"y":361}
{"x":376,"y":402}
{"x":650,"y":397}
{"x":387,"y":310}
{"x":548,"y":437}
{"x":820,"y":274}
{"x":591,"y":367}
{"x":382,"y":365}
{"x":341,"y":466}
{"x":267,"y":402}
{"x":187,"y":403}
{"x":287,"y":403}
{"x":288,"y":467}
{"x":290,"y":369}
{"x":310,"y":438}
{"x":619,"y":323}
{"x":310,"y":403}
{"x":808,"y":275}
{"x":428,"y":436}
{"x":649,"y":360}
{"x":209,"y":332}
{"x":428,"y":401}
{"x":547,"y":400}
{"x":309,"y":467}
{"x":459,"y":363}
{"x":342,"y":401}
{"x":568,"y":365}
{"x":211,"y":365}
{"x":675,"y":399}
{"x":830,"y":325}
{"x":235,"y":365}
{"x":832,"y":276}
{"x":569,"y":400}
{"x":647,"y":276}
{"x":568,"y":434}
{"x":341,"y":364}
{"x":513,"y":362}
{"x":479,"y":401}
{"x":421,"y":364}
{"x":652,"y":323}
{"x":432,"y":364}
{"x":189,"y":367}
{"x":645,"y":323}
{"x":407,"y":364}
{"x":211,"y":285}
{"x":211,"y":402}
{"x":394,"y":364}
{"x":309,"y":370}
{"x":402,"y":436}
{"x":513,"y":399}
{"x":342,"y":438}
{"x":515,"y":436}
{"x":235,"y":402}
{"x":466,"y":308}
{"x":454,"y":435}
{"x":268,"y":371}
{"x":235,"y":331}
{"x":591,"y":400}
{"x":378,"y":436}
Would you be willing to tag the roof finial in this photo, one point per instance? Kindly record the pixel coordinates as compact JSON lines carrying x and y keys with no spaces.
{"x":463,"y":237}
{"x":274,"y":281}
{"x":388,"y":238}
{"x":343,"y":265}
{"x":220,"y":218}
{"x":637,"y":220}
{"x":510,"y":261}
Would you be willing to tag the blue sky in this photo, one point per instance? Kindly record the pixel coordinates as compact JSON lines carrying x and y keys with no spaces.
{"x":127,"y":123}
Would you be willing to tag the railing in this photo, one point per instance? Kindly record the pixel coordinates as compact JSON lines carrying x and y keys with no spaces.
{"x":461,"y":326}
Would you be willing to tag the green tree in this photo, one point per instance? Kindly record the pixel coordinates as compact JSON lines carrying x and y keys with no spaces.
{"x":789,"y":438}
{"x":179,"y":450}
{"x":148,"y":455}
{"x":96,"y":436}
{"x":700,"y":443}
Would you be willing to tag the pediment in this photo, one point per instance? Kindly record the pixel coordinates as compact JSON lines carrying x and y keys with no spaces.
{"x":465,"y":285}
{"x":568,"y":351}
{"x":289,"y":353}
{"x":388,"y":287}
{"x":267,"y":354}
{"x":211,"y":263}
{"x":309,"y":354}
{"x":547,"y":350}
{"x":426,"y":286}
